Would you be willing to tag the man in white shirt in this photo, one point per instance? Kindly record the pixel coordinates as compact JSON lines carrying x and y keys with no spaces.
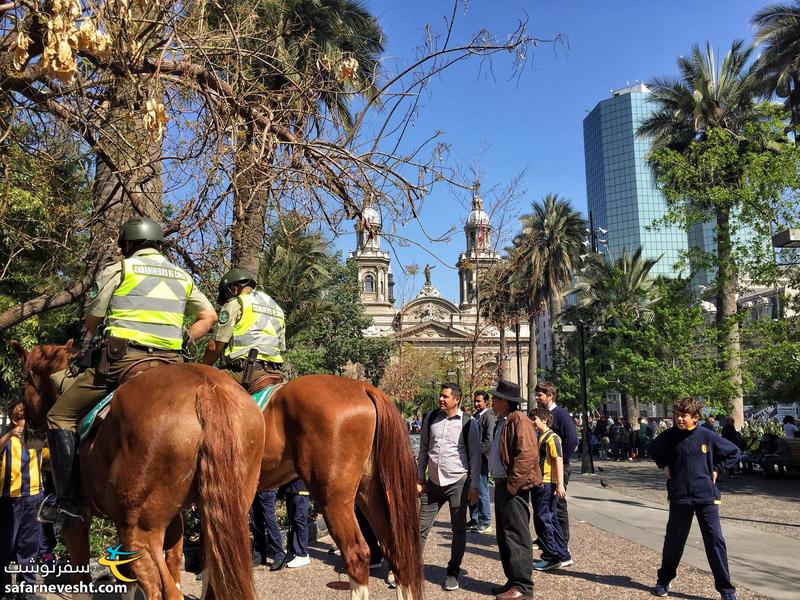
{"x":450,"y":452}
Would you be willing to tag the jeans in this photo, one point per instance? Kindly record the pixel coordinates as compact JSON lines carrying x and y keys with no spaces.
{"x":547,"y":525}
{"x":481,"y":511}
{"x":19,"y":536}
{"x":561,"y":507}
{"x":431,"y":502}
{"x":297,"y":508}
{"x":266,"y":533}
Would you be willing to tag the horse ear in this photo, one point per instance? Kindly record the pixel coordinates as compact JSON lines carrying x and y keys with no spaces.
{"x":69,"y":343}
{"x":19,"y":350}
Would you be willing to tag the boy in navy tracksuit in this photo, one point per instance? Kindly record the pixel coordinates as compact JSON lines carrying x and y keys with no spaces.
{"x":691,"y":457}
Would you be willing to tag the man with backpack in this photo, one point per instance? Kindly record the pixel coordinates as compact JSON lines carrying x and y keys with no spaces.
{"x":449,"y":469}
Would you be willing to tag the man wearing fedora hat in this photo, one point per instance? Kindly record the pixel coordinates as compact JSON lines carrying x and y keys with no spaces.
{"x":514,"y":464}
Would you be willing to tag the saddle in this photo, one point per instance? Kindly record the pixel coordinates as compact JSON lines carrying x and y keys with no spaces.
{"x":263,"y":381}
{"x":97,"y":415}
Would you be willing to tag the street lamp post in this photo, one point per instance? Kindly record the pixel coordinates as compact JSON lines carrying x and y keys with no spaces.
{"x":587,"y":462}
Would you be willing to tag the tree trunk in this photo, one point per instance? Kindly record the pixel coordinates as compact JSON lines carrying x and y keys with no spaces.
{"x":533,"y":358}
{"x":554,"y":307}
{"x":503,"y":366}
{"x":250,"y":197}
{"x":728,"y":328}
{"x":130,"y":185}
{"x":630,"y":408}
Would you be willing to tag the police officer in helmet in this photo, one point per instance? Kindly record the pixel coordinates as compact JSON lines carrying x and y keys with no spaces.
{"x":249,"y":320}
{"x":141,"y":301}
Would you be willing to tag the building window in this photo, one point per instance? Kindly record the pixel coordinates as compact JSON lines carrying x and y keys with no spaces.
{"x":369,"y":284}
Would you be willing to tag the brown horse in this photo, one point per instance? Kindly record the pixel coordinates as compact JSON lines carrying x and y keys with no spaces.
{"x":175,"y":434}
{"x":349,"y":444}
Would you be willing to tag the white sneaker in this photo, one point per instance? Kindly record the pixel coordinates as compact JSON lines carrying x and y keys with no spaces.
{"x":299,"y":561}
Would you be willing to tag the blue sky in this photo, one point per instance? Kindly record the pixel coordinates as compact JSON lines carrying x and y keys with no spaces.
{"x":533,"y":124}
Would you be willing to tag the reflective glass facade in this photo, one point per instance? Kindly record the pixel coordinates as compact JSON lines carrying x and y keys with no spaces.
{"x":620,"y":189}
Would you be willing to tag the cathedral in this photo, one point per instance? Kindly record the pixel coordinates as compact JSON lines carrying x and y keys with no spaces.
{"x":431,"y":321}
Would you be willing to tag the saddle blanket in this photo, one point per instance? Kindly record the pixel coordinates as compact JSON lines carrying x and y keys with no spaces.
{"x":86,"y":424}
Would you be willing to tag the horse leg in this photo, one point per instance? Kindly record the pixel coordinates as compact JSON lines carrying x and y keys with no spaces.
{"x":150,"y":568}
{"x":372,"y":502}
{"x":173,"y":546}
{"x":76,"y":539}
{"x":337,"y":505}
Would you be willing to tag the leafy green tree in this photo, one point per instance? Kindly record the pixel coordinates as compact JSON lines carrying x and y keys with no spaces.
{"x":42,"y":203}
{"x":778,"y":64}
{"x":319,"y":294}
{"x":771,"y":358}
{"x":551,"y":241}
{"x":326,"y":55}
{"x":718,"y":154}
{"x":615,"y":296}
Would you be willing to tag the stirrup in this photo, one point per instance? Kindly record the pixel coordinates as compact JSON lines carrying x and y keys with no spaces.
{"x":53,"y":511}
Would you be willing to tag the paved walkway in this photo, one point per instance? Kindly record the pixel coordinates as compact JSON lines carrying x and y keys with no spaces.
{"x":766,"y":563}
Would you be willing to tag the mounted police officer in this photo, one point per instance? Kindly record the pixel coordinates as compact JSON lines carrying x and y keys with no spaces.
{"x":141,"y":301}
{"x":251,"y":331}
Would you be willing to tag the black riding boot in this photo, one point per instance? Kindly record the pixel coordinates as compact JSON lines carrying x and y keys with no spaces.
{"x":63,"y":446}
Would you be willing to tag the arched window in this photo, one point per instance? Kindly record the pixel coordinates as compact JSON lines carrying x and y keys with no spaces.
{"x":369,"y":284}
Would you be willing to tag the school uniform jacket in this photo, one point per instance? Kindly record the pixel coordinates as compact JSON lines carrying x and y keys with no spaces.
{"x":691,"y":456}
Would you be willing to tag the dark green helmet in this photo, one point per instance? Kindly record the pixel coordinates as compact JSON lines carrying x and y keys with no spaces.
{"x":140,"y":229}
{"x":234,"y":276}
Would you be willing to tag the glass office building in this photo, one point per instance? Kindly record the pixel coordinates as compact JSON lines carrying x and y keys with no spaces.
{"x":621,"y":192}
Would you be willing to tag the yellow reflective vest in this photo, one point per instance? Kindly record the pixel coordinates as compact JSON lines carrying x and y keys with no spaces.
{"x":148,"y":306}
{"x":261,"y":325}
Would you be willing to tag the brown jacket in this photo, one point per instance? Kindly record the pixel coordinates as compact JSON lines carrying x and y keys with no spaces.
{"x":519,"y":453}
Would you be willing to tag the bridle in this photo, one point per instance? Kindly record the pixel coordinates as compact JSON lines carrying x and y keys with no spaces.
{"x":29,"y":379}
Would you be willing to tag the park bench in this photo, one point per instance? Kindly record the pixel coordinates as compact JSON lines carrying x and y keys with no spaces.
{"x":786,"y":458}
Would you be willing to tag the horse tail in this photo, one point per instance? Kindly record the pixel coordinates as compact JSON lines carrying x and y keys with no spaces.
{"x":222,"y":465}
{"x":396,"y":471}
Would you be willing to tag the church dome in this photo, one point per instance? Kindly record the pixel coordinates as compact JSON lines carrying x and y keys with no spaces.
{"x":477,"y":217}
{"x":371,"y":216}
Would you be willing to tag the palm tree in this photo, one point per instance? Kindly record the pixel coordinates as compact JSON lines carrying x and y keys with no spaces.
{"x":326,"y":54}
{"x":295,"y":272}
{"x":778,"y":65}
{"x":609,"y":291}
{"x":709,"y":96}
{"x":551,"y":240}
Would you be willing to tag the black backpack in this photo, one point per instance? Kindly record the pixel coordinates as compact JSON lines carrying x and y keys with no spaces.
{"x":465,"y":421}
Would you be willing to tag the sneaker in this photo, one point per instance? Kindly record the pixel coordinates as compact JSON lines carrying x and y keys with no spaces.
{"x":334,"y":550}
{"x":546,"y":565}
{"x":485,"y":529}
{"x":299,"y":561}
{"x":729,"y":596}
{"x":472,"y":524}
{"x":567,"y":563}
{"x":660,"y":589}
{"x":450,"y":582}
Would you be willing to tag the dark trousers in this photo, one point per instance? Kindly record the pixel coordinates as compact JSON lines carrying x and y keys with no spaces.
{"x":297,"y":509}
{"x":266,"y":533}
{"x":512,"y":516}
{"x":678,"y":526}
{"x":481,"y":511}
{"x":547,"y":525}
{"x":19,"y":536}
{"x":431,"y":502}
{"x":375,"y":552}
{"x":561,"y":508}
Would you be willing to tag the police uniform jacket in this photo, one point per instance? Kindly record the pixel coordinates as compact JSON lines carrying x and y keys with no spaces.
{"x":692,"y":455}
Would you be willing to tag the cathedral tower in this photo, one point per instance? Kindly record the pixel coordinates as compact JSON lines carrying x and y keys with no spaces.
{"x":479,"y":255}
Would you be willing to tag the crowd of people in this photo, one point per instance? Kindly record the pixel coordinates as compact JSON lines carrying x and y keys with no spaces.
{"x":528,"y":458}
